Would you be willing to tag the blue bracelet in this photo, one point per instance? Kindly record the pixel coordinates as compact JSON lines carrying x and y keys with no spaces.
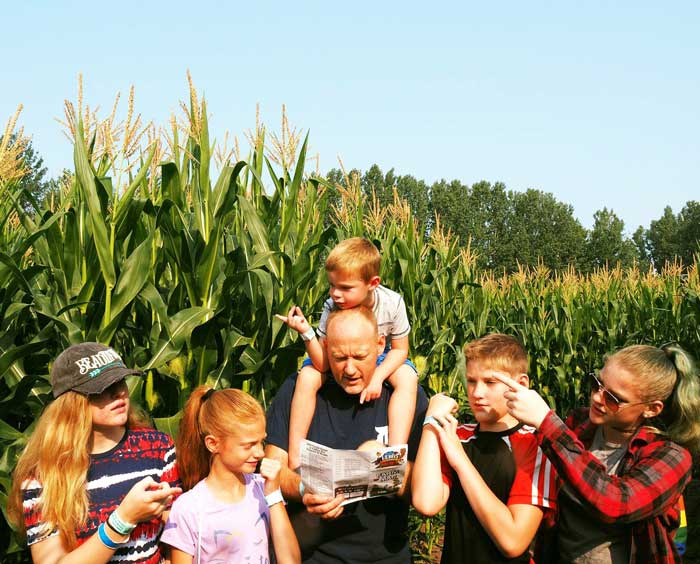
{"x":301,"y":489}
{"x":104,"y":538}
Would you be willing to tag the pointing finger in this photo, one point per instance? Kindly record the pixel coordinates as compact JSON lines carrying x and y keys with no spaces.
{"x":508,"y":381}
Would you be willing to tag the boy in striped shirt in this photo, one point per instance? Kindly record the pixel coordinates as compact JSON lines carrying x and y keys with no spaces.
{"x":491,"y":475}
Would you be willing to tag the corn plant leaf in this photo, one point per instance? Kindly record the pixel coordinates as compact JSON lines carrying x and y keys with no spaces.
{"x":16,"y":272}
{"x":29,"y":240}
{"x":125,"y":200}
{"x":251,"y":360}
{"x":9,"y":433}
{"x":15,"y":400}
{"x":266,"y":288}
{"x":86,"y":181}
{"x":180,"y":328}
{"x":293,"y":193}
{"x":70,"y":330}
{"x":258,"y":233}
{"x":170,"y":183}
{"x":169,"y":425}
{"x":206,"y":268}
{"x":225,"y":190}
{"x":155,"y":300}
{"x":459,"y":372}
{"x":13,"y":354}
{"x":261,"y":259}
{"x":133,"y":276}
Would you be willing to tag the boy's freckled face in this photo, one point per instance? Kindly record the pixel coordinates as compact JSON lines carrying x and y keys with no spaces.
{"x":486,"y":399}
{"x":349,"y":291}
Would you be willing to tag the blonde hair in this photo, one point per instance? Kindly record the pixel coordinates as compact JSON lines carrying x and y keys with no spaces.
{"x":355,"y":257}
{"x":669,"y":374}
{"x":498,"y":351}
{"x":57,"y":455}
{"x":208,"y":412}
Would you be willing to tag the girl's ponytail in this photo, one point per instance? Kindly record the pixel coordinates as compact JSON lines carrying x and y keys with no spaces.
{"x":682,"y":411}
{"x":193,"y":458}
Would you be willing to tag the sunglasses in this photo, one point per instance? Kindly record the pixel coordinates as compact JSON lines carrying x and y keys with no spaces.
{"x":612,"y":403}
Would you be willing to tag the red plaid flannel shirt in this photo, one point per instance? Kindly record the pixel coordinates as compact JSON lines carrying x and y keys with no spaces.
{"x":644,"y":493}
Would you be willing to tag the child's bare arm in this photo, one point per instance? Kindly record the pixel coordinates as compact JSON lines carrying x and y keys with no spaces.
{"x":429,"y":493}
{"x":309,"y":382}
{"x":511,"y":527}
{"x":281,"y":532}
{"x":314,"y":347}
{"x":402,"y":404}
{"x":396,"y":356}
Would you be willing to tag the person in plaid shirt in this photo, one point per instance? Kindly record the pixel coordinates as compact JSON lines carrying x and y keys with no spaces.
{"x":621,"y":477}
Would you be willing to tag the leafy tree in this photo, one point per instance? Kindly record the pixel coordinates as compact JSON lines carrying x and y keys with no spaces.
{"x":663,"y":238}
{"x":543,"y":229}
{"x":417,"y":194}
{"x":689,"y":231}
{"x":509,"y":228}
{"x":606,"y":242}
{"x":641,"y":244}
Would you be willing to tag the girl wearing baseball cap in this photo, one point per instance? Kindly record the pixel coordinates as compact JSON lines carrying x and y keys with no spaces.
{"x":93,"y":481}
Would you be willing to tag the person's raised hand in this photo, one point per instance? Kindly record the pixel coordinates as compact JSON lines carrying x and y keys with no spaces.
{"x":295,"y":320}
{"x":146,"y":499}
{"x":270,"y":471}
{"x":445,"y":427}
{"x":441,"y":404}
{"x":524,"y":404}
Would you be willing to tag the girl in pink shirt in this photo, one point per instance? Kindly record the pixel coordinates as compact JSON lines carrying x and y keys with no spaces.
{"x":230,"y":513}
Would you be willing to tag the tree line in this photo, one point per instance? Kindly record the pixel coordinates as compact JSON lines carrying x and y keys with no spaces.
{"x":508,"y":228}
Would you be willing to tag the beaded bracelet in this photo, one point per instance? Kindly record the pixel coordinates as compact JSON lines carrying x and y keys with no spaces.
{"x":119,"y":525}
{"x":105,"y":540}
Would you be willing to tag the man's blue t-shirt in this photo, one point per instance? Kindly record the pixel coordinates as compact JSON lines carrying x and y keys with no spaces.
{"x":374,"y":530}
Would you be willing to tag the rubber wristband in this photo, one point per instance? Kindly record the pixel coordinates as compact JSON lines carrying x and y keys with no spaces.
{"x":430,"y":420}
{"x":302,"y":488}
{"x":119,"y":525}
{"x":274,"y":498}
{"x":112,"y":526}
{"x":309,"y":335}
{"x":105,"y":540}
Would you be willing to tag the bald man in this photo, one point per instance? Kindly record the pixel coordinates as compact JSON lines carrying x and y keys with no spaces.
{"x":374,"y":530}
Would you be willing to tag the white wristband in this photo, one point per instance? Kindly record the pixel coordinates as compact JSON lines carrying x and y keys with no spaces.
{"x":308,"y":335}
{"x":274,"y":498}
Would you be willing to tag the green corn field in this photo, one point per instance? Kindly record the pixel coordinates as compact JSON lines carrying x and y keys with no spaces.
{"x":178,"y":253}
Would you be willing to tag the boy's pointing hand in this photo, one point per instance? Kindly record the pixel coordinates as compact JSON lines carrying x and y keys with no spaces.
{"x":295,"y":320}
{"x":524,"y":404}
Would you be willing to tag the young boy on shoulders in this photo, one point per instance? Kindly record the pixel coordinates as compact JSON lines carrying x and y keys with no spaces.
{"x":352,"y":268}
{"x":491,"y":475}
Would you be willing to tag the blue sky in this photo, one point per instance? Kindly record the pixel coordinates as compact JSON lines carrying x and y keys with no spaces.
{"x":595,"y":102}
